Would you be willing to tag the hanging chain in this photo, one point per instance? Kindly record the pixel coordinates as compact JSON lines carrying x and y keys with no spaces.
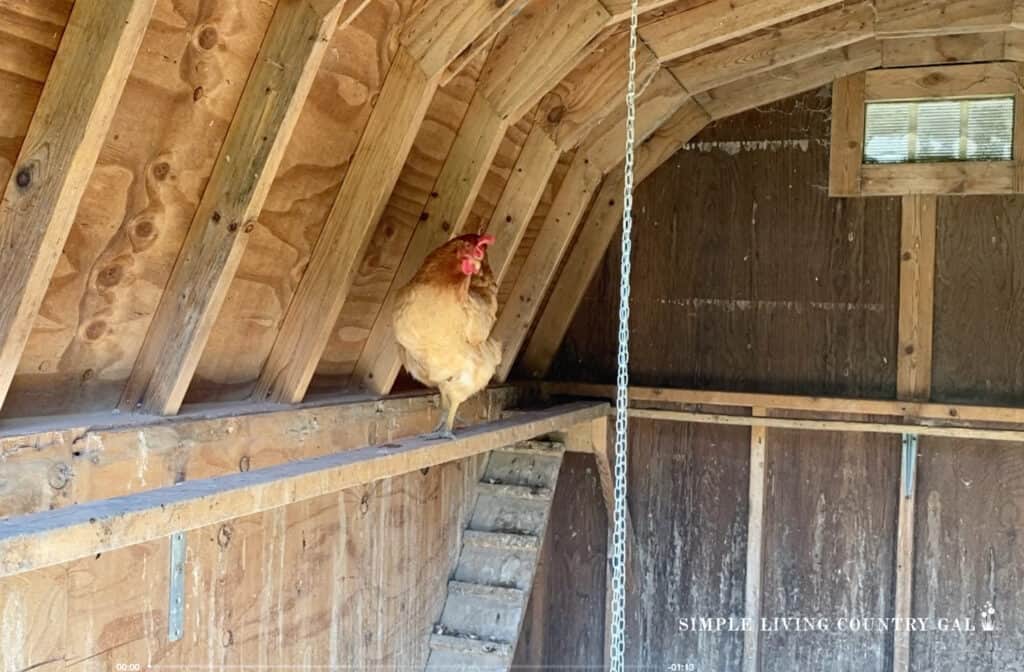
{"x":618,"y":630}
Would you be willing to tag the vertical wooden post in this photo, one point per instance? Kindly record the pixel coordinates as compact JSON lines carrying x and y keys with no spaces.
{"x":913,"y":382}
{"x":755,"y":547}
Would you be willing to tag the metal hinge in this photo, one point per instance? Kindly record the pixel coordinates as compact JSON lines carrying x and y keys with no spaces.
{"x":176,"y":598}
{"x":909,"y":471}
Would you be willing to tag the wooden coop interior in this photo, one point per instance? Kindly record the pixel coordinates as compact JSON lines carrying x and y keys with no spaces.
{"x":209,"y":453}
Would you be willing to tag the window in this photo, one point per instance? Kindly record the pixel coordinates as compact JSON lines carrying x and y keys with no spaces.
{"x":918,"y":131}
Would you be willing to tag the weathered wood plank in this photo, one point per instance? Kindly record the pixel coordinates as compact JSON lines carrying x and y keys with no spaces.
{"x":242,"y":176}
{"x":954,"y":177}
{"x":376,"y":165}
{"x":909,"y":409}
{"x":568,"y":209}
{"x":754,"y":584}
{"x":57,"y":157}
{"x":917,"y":293}
{"x":442,"y":30}
{"x":522,"y":193}
{"x":91,"y":458}
{"x":1011,"y":435}
{"x":789,"y":80}
{"x":818,"y":33}
{"x":594,"y":90}
{"x":48,"y":538}
{"x":846,"y":152}
{"x":545,"y":42}
{"x":721,"y":21}
{"x":596,"y":233}
{"x":939,"y":49}
{"x":939,"y":17}
{"x":655,"y":104}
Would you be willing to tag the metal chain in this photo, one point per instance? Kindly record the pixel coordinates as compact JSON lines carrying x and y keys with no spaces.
{"x":618,"y":630}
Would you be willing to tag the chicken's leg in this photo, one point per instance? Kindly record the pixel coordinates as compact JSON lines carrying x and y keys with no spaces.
{"x":447,"y":422}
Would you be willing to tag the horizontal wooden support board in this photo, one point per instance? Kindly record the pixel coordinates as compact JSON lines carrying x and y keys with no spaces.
{"x":54,"y":537}
{"x":783,"y":402}
{"x":832,"y":425}
{"x":53,"y":463}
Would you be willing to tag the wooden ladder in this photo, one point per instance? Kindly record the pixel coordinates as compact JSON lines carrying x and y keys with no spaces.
{"x":488,"y":592}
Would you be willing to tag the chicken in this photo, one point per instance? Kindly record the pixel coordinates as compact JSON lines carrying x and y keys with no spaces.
{"x":443,"y":320}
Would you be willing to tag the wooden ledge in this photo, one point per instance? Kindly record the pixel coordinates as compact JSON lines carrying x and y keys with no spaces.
{"x":49,"y":538}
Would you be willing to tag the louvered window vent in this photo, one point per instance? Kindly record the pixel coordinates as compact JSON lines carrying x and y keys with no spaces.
{"x":918,"y":131}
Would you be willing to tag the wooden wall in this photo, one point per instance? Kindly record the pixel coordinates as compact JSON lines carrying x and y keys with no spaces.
{"x":354,"y":579}
{"x":748,"y":277}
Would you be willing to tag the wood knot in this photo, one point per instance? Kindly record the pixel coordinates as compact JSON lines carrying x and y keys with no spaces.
{"x":24,"y":178}
{"x":60,"y":475}
{"x":224,"y":536}
{"x":161,"y":171}
{"x":500,"y":3}
{"x":907,"y":256}
{"x":95,"y":330}
{"x":249,"y":226}
{"x":216,"y":217}
{"x":556,"y":113}
{"x":446,"y":226}
{"x":364,"y":504}
{"x":233,"y":226}
{"x":208,"y":37}
{"x":244,"y":463}
{"x":144,"y":229}
{"x":197,"y":94}
{"x":110,"y":276}
{"x":909,"y":349}
{"x":424,"y":216}
{"x":933,"y":78}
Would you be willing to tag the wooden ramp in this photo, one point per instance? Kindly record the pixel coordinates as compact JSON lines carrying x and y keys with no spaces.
{"x":488,"y":591}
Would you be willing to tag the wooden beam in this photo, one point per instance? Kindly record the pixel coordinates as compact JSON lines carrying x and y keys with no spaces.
{"x":56,"y":463}
{"x":663,"y":97}
{"x":374,"y":169}
{"x":971,"y":79}
{"x":597,"y":231}
{"x":961,"y":178}
{"x":945,"y":49}
{"x":50,"y":538}
{"x":959,"y":432}
{"x":546,"y":41}
{"x":789,"y":80}
{"x":910,"y":410}
{"x":519,"y":199}
{"x":917,"y":291}
{"x":595,"y":90}
{"x":815,"y":34}
{"x":266,"y":115}
{"x":942,"y":17}
{"x":61,"y":146}
{"x":753,"y":586}
{"x":846,"y":152}
{"x":570,"y":204}
{"x":720,"y":21}
{"x":913,"y":382}
{"x":442,"y":30}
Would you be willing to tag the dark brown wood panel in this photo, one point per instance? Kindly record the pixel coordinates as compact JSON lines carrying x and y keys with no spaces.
{"x":564,"y":622}
{"x":978,"y":350}
{"x":688,"y":500}
{"x":830,"y":538}
{"x":969,"y":555}
{"x":747,"y":276}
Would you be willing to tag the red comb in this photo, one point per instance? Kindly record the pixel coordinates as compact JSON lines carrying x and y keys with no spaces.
{"x":485,"y":240}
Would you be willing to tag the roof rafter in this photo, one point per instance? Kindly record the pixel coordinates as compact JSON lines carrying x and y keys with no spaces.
{"x":375,"y":167}
{"x":805,"y":37}
{"x":545,"y":42}
{"x":60,"y":150}
{"x":721,"y":21}
{"x":266,"y":115}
